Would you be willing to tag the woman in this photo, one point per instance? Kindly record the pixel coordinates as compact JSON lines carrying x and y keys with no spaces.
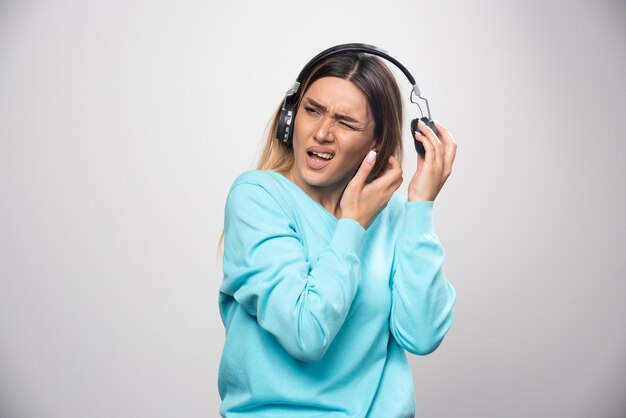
{"x":329,"y":275}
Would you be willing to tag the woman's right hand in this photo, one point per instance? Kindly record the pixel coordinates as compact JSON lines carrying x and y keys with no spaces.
{"x":362,"y":201}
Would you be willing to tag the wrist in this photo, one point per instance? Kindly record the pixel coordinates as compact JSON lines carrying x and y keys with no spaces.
{"x":348,"y":215}
{"x":420,"y":197}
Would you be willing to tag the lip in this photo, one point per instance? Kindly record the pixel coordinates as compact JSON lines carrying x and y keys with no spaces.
{"x":318,"y":163}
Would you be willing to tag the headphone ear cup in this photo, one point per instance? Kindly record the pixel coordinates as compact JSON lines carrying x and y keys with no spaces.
{"x":284,"y":130}
{"x":419,"y":147}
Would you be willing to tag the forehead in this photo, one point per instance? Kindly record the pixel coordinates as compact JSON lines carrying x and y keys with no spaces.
{"x":338,"y":95}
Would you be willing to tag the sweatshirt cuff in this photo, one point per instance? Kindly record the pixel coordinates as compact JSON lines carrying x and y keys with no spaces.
{"x":419,"y":217}
{"x":349,"y":236}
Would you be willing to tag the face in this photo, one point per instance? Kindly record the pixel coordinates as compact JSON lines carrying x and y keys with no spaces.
{"x":334,"y":131}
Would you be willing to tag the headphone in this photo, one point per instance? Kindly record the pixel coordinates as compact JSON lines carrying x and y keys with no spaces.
{"x":284,"y":129}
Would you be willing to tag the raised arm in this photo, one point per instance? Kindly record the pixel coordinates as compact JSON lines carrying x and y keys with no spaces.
{"x":422,"y":298}
{"x":422,"y":304}
{"x":302,"y":302}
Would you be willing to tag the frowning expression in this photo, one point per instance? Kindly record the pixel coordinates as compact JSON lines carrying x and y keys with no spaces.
{"x":334,"y":131}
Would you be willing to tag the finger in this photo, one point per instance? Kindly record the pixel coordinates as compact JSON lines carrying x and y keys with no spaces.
{"x":437,"y":146}
{"x":450,"y":147}
{"x":393,"y":163}
{"x":395,"y":169}
{"x":428,"y":147}
{"x":392,"y":173}
{"x":366,"y":168}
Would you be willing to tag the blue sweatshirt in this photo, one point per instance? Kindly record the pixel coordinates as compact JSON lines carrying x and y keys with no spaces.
{"x":319,"y":311}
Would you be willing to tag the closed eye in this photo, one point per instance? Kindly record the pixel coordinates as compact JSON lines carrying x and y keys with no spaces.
{"x":354,"y":128}
{"x":311,"y":110}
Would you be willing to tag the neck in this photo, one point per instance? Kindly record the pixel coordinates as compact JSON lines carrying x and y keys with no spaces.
{"x":329,"y":199}
{"x":327,"y":196}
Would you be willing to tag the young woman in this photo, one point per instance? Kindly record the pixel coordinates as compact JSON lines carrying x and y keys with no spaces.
{"x":329,"y":274}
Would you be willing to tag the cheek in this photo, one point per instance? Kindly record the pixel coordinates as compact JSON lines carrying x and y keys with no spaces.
{"x":300,"y":130}
{"x":360,"y":149}
{"x":354,"y":158}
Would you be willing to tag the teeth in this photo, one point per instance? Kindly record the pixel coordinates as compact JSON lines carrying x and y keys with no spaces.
{"x":324,"y":155}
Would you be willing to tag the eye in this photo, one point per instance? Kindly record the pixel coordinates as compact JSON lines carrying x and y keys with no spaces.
{"x":311,"y":110}
{"x":349,"y":126}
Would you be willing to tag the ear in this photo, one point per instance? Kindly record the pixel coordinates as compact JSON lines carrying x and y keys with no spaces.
{"x":376,"y":145}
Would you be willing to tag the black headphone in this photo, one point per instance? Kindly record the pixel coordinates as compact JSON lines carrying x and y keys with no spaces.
{"x":287,"y":115}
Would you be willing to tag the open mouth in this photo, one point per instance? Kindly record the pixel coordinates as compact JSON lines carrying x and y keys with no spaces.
{"x":322,"y":155}
{"x":317,"y":159}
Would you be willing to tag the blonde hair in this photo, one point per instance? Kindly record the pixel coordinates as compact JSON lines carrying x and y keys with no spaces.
{"x":276,"y":155}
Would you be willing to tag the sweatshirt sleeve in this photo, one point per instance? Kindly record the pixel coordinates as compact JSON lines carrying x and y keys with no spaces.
{"x":303,"y":303}
{"x":422,"y":307}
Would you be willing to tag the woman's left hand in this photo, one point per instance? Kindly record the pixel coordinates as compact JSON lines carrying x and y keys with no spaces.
{"x":433,"y":170}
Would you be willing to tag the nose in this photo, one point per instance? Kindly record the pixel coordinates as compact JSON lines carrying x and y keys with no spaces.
{"x":324,"y":131}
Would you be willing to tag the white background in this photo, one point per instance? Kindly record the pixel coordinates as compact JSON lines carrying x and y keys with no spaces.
{"x":123,"y":124}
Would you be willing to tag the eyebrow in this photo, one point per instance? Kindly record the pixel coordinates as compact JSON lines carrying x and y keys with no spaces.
{"x":337,"y":116}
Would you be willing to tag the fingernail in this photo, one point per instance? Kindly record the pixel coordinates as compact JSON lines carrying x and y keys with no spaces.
{"x":371,"y":156}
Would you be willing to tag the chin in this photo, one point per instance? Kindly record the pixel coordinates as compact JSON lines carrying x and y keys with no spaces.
{"x":316,"y":179}
{"x":324,"y":180}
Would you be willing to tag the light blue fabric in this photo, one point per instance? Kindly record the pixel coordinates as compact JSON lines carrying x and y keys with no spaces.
{"x":318,"y":311}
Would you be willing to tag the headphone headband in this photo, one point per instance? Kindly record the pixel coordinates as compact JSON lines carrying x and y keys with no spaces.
{"x":354,"y":47}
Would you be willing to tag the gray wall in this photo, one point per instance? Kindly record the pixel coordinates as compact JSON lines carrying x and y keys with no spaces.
{"x":123,"y":124}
